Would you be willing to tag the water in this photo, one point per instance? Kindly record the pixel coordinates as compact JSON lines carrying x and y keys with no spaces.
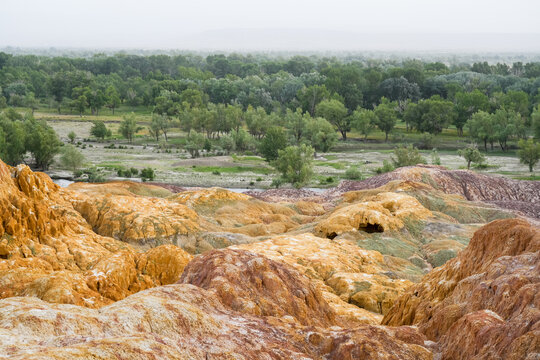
{"x":63,"y":182}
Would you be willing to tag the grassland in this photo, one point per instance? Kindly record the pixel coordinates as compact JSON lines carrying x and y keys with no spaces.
{"x":174,"y":165}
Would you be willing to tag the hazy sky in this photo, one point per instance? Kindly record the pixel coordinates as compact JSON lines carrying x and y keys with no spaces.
{"x":187,"y":24}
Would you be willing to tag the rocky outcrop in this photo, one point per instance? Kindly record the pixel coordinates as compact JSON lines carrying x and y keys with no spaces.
{"x":382,"y":212}
{"x":256,"y":285}
{"x":138,"y":220}
{"x":345,"y":274}
{"x":239,"y":213}
{"x":485,"y":302}
{"x":184,"y":321}
{"x":501,"y":191}
{"x":48,"y":250}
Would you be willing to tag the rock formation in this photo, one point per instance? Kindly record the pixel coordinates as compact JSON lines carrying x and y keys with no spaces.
{"x":48,"y":250}
{"x":501,"y":191}
{"x":342,"y":271}
{"x":105,"y":271}
{"x":185,"y":321}
{"x":485,"y":302}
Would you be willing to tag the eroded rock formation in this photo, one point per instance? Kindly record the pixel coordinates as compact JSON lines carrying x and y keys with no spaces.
{"x":485,"y":302}
{"x":82,"y":275}
{"x":184,"y":321}
{"x":48,"y":250}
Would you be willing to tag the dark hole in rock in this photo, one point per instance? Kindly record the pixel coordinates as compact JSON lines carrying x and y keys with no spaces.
{"x":331,"y":236}
{"x":4,"y":256}
{"x":371,"y":228}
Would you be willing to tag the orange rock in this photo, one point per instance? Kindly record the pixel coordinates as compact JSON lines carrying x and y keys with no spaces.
{"x":141,"y":221}
{"x":498,"y":272}
{"x":48,"y":250}
{"x":288,"y":319}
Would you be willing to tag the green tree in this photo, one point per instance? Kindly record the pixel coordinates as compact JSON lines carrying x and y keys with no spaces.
{"x":506,"y":125}
{"x":15,"y":137}
{"x":80,"y":103}
{"x":471,"y":155}
{"x":517,"y":101}
{"x":481,"y":128}
{"x":386,"y":117}
{"x":257,"y":121}
{"x":535,"y":118}
{"x":529,"y":153}
{"x":31,"y":102}
{"x":99,"y":130}
{"x":364,"y":121}
{"x":321,"y":134}
{"x":466,"y":104}
{"x":160,"y":124}
{"x":42,"y":142}
{"x":71,"y":157}
{"x":401,"y":91}
{"x":295,"y":163}
{"x":309,"y":97}
{"x":336,"y":113}
{"x":273,"y":141}
{"x":112,"y":98}
{"x":128,"y":127}
{"x":296,"y":123}
{"x":227,"y":143}
{"x":235,"y":115}
{"x":195,"y":143}
{"x":431,"y":115}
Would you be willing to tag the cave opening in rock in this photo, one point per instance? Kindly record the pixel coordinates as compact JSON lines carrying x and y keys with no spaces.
{"x":371,"y":228}
{"x":331,"y":236}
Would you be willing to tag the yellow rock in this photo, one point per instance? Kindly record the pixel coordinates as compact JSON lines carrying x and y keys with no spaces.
{"x":341,"y":269}
{"x":382,"y":212}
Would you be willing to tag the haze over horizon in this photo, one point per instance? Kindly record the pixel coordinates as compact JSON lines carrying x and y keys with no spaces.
{"x":424,"y":25}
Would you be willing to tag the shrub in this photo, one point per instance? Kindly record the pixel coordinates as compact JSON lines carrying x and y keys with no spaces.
{"x":353,"y":173}
{"x":134,"y":171}
{"x":276,"y":183}
{"x":387,"y":167}
{"x":94,"y":175}
{"x":72,"y":136}
{"x":435,"y":158}
{"x":407,"y":156}
{"x":123,"y":173}
{"x":215,"y":172}
{"x":99,"y":130}
{"x":427,"y":142}
{"x":147,"y":174}
{"x":71,"y":157}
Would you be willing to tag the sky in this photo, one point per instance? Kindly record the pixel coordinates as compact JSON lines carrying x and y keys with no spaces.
{"x":270,"y":24}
